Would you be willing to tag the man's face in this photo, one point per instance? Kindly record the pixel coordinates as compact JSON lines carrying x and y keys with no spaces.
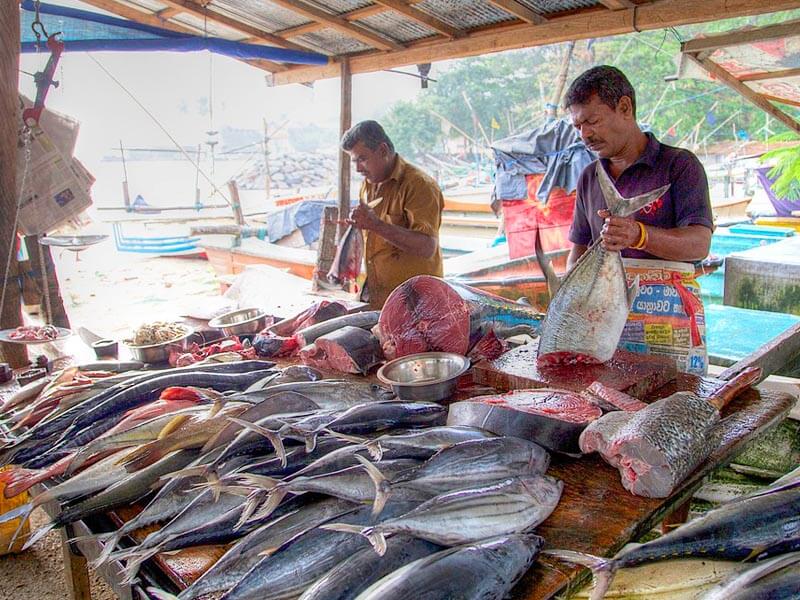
{"x":375,"y":165}
{"x":603,"y":129}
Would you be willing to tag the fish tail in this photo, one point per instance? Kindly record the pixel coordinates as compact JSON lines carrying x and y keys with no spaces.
{"x":310,"y":439}
{"x":375,"y":538}
{"x":375,"y":450}
{"x":160,"y":594}
{"x":272,"y":436}
{"x":552,"y":280}
{"x":20,"y":512}
{"x":131,"y":570}
{"x":18,"y":480}
{"x":36,"y":535}
{"x":109,"y":543}
{"x":383,"y":488}
{"x":603,"y":569}
{"x":274,"y":500}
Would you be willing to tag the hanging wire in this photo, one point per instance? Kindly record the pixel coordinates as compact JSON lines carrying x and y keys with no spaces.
{"x":160,"y":126}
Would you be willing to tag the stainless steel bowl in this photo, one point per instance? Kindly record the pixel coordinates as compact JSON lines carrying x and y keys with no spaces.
{"x":245,"y":321}
{"x":159,"y":353}
{"x":429,"y":376}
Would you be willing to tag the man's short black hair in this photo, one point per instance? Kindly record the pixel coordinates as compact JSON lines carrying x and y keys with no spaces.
{"x":609,"y":83}
{"x":370,"y":133}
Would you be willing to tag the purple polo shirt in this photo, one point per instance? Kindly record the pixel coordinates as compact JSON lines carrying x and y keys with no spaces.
{"x":686,"y":203}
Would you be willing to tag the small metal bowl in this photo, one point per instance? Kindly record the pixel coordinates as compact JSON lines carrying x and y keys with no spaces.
{"x":245,"y":321}
{"x":106,"y":348}
{"x":429,"y":376}
{"x":159,"y":353}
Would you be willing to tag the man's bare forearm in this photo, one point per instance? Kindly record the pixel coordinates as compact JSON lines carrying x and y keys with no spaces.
{"x":681,"y":243}
{"x":407,"y":240}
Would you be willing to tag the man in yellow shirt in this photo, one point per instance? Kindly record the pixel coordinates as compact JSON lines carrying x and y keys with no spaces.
{"x":400,"y":212}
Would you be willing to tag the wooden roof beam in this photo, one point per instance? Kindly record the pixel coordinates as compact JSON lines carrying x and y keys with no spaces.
{"x":407,"y":10}
{"x":770,"y":75}
{"x":263,"y":36}
{"x":518,"y":10}
{"x":747,"y":93}
{"x":577,"y":26}
{"x":737,"y":38}
{"x":617,"y":4}
{"x":358,"y":32}
{"x":132,"y":14}
{"x":168,"y":13}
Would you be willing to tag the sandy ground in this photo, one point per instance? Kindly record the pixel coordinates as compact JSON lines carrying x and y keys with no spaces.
{"x":110,"y":293}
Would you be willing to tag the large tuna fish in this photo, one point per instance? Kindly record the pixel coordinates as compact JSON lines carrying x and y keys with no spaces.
{"x":428,"y":314}
{"x":752,"y":527}
{"x":655,"y":448}
{"x":587,"y":314}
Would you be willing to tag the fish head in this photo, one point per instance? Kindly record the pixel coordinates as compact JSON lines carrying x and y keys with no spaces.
{"x":381,"y":394}
{"x":542,"y":489}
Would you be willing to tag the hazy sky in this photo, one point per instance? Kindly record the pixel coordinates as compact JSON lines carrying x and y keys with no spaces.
{"x":172,"y":87}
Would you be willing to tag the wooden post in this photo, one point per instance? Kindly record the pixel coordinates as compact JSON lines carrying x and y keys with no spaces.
{"x":558,"y":89}
{"x":76,"y":573}
{"x":345,"y":122}
{"x":11,"y":316}
{"x":236,"y":204}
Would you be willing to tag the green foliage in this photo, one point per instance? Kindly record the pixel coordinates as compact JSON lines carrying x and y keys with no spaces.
{"x":511,"y":91}
{"x":787,"y":167}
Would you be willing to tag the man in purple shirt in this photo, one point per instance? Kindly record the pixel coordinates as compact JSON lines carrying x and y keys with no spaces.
{"x":677,"y":226}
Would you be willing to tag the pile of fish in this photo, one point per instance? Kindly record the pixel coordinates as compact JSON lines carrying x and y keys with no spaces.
{"x":322,"y":488}
{"x":755,"y":527}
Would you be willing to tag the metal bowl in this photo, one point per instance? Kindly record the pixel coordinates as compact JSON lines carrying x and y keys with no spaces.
{"x":429,"y":376}
{"x":159,"y":353}
{"x":245,"y":321}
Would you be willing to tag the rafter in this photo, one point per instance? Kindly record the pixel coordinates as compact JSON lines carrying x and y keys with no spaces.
{"x":746,"y":92}
{"x":518,"y":10}
{"x":770,"y":75}
{"x":263,"y":36}
{"x":138,"y":16}
{"x":168,"y":13}
{"x":737,"y":38}
{"x":336,"y":22}
{"x":404,"y":8}
{"x":574,"y":26}
{"x":617,"y":4}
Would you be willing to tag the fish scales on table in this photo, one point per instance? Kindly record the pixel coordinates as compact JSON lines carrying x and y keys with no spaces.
{"x":760,"y":525}
{"x":589,"y":308}
{"x":427,"y":314}
{"x":346,"y":350}
{"x":514,"y":505}
{"x":484,"y":570}
{"x":657,"y":447}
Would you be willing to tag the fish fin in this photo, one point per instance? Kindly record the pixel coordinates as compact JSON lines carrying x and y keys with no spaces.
{"x":250,"y":505}
{"x":602,"y":568}
{"x":353,"y":439}
{"x":274,"y":500}
{"x":617,"y":204}
{"x":269,"y":551}
{"x":553,"y":282}
{"x":375,"y":450}
{"x":22,"y":511}
{"x":383,"y":488}
{"x":272,"y":436}
{"x":375,"y":538}
{"x":160,"y":594}
{"x":172,"y":425}
{"x":632,"y":292}
{"x":131,"y":570}
{"x":38,"y":535}
{"x":108,"y":548}
{"x":17,"y":533}
{"x":310,"y":441}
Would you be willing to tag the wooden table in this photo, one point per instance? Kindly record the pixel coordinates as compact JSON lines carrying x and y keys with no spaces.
{"x":595,"y":515}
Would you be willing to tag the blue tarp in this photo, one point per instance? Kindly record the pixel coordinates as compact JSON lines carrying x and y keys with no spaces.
{"x":305,"y":216}
{"x":554,"y":149}
{"x":85,"y":31}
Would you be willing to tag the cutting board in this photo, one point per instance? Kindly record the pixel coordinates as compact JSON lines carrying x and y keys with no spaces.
{"x":637,"y":375}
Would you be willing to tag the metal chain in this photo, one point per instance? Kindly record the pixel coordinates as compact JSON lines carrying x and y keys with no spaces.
{"x":26,"y":136}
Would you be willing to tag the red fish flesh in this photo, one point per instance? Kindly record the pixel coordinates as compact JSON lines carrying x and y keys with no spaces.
{"x":657,"y":447}
{"x":346,"y":265}
{"x":346,"y":350}
{"x":549,"y":417}
{"x":428,"y":314}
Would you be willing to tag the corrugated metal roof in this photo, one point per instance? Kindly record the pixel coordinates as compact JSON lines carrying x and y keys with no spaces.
{"x":396,"y":26}
{"x":340,"y":6}
{"x":261,"y":13}
{"x":206,"y":26}
{"x":465,"y":14}
{"x":548,"y":7}
{"x":332,"y":40}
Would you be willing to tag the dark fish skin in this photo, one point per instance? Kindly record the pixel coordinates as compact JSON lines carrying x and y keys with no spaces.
{"x":781,"y":585}
{"x":485,"y":570}
{"x":753,"y":527}
{"x":288,"y":572}
{"x":240,"y":558}
{"x":363,"y":320}
{"x":776,"y":579}
{"x":357,"y":572}
{"x":112,"y":409}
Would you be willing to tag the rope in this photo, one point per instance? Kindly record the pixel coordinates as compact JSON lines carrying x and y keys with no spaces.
{"x":26,"y":132}
{"x":160,"y":126}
